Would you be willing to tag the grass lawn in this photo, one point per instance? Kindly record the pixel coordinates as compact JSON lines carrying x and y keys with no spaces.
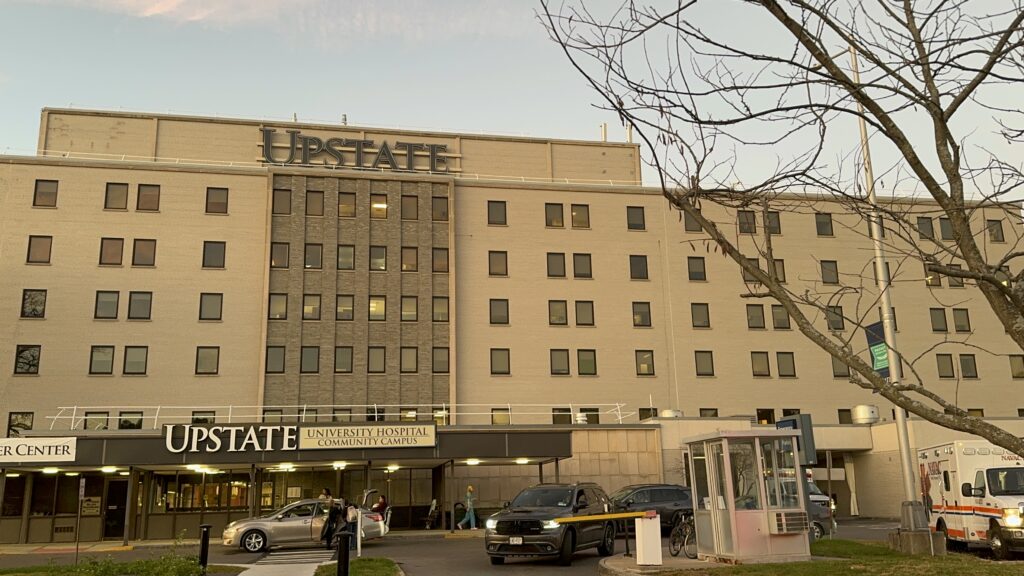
{"x":362,"y":567}
{"x":166,"y":566}
{"x":872,"y":560}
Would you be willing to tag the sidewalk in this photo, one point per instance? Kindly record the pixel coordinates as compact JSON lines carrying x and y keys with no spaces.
{"x":619,"y":565}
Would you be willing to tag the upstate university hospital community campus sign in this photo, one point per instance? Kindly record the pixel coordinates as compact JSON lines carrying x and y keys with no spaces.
{"x":37,"y":449}
{"x":269,"y":438}
{"x":353,"y":153}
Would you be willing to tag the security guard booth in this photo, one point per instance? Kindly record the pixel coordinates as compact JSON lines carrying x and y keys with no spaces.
{"x":748,"y":497}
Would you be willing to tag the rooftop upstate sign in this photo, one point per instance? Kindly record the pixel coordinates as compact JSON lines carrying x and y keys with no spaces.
{"x":352,"y":153}
{"x":180,"y":438}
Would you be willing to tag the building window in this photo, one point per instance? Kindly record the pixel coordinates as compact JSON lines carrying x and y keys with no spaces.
{"x":961,"y":320}
{"x":786,"y":412}
{"x":345,"y":307}
{"x":101,"y":360}
{"x":96,"y":420}
{"x":755,"y":316}
{"x":314,"y":256}
{"x":642,"y":314}
{"x":18,"y":422}
{"x":780,"y":318}
{"x":553,"y":216}
{"x":378,"y":308}
{"x":638,"y":267}
{"x":439,"y":208}
{"x":440,"y":260}
{"x":271,"y":416}
{"x":945,"y":229}
{"x":955,"y":281}
{"x":39,"y":249}
{"x":772,"y":223}
{"x":834,"y":318}
{"x":766,"y":416}
{"x":586,"y":362}
{"x":945,"y":365}
{"x":278,"y":308}
{"x":749,"y":276}
{"x":310,"y":306}
{"x":558,"y":313}
{"x":777,"y":268}
{"x":968,"y":366}
{"x":204,"y":417}
{"x":275,"y":359}
{"x":1017,"y":366}
{"x":207,"y":359}
{"x":135,"y":360}
{"x":144,"y":253}
{"x":829,"y":272}
{"x":845,"y":416}
{"x":374,"y":414}
{"x":216,"y":200}
{"x":129,"y":421}
{"x":343,"y":360}
{"x":314,"y":203}
{"x":500,"y":417}
{"x":708,"y":412}
{"x":116,"y":197}
{"x":496,"y":213}
{"x":591,"y":415}
{"x":581,"y":266}
{"x":45,"y":194}
{"x":33,"y":303}
{"x":584,"y":313}
{"x":378,"y":258}
{"x":580,"y":215}
{"x":499,"y":311}
{"x":635,"y":218}
{"x":839,"y":368}
{"x":279,"y":254}
{"x":497,"y":263}
{"x":410,"y":259}
{"x":556,"y":265}
{"x":931,"y":277}
{"x":561,"y":416}
{"x":823,"y":224}
{"x":500,"y":361}
{"x":346,"y":205}
{"x":705,"y":362}
{"x":376,"y":357}
{"x":106,"y":305}
{"x":559,"y":362}
{"x":938,"y":317}
{"x":440,"y":309}
{"x":140,"y":305}
{"x":310,"y":360}
{"x":785,"y":363}
{"x":994,"y":227}
{"x":747,"y":221}
{"x":925,"y":228}
{"x":410,"y":308}
{"x":440,"y":360}
{"x":700,"y":315}
{"x":690,"y":223}
{"x":759,"y":364}
{"x":213,"y":254}
{"x":644,"y":362}
{"x":346,"y":257}
{"x":111,"y":250}
{"x":378,"y":206}
{"x":26,"y":358}
{"x":647,"y":413}
{"x":695,"y":268}
{"x":976,"y":412}
{"x":148,"y":199}
{"x":410,"y":208}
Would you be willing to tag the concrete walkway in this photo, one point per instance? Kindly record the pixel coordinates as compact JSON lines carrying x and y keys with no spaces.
{"x":619,"y":565}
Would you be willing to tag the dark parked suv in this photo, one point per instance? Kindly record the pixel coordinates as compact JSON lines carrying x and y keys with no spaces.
{"x":670,"y":500}
{"x":526,"y":526}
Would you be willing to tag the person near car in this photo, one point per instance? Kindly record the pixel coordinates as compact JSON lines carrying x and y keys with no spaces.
{"x":381,"y":505}
{"x":470,"y":516}
{"x":335,"y":521}
{"x":325,"y":495}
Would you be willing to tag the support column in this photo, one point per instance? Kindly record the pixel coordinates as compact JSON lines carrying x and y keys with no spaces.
{"x":3,"y":485}
{"x":26,"y":507}
{"x":558,"y":477}
{"x":255,"y":490}
{"x":450,"y":489}
{"x":147,"y":503}
{"x":129,"y":505}
{"x":540,"y":472}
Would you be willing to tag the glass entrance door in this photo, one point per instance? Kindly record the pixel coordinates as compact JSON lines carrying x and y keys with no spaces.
{"x":115,"y":503}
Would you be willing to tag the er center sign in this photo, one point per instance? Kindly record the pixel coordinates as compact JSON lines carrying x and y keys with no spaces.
{"x":386,"y":436}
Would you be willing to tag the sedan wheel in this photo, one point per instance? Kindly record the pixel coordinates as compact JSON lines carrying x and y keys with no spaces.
{"x":254,"y":541}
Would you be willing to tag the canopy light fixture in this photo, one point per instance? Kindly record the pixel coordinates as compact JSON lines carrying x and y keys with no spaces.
{"x":49,"y":470}
{"x":12,"y":475}
{"x":71,"y":473}
{"x":339,"y":465}
{"x":125,"y":473}
{"x":393,"y":467}
{"x":472,"y":461}
{"x":522,"y":460}
{"x":108,"y":469}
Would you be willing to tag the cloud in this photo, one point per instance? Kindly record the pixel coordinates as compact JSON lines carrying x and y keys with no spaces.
{"x":331,"y":20}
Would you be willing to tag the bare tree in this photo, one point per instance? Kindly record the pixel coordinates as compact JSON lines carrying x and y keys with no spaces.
{"x":710,"y":85}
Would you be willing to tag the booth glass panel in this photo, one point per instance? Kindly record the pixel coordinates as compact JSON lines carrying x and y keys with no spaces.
{"x":702,"y":500}
{"x":722,"y":517}
{"x":746,"y":491}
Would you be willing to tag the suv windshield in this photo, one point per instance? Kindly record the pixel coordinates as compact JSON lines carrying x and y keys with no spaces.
{"x":1006,"y":481}
{"x":543,"y":497}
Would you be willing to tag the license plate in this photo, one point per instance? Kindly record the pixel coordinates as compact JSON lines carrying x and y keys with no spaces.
{"x":515,"y":540}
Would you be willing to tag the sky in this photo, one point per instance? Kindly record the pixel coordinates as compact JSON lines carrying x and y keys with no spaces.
{"x":472,"y":66}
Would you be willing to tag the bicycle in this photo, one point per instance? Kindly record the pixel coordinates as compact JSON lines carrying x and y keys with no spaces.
{"x":683,"y":537}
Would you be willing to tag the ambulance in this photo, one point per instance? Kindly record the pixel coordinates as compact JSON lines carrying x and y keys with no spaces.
{"x":974,"y":494}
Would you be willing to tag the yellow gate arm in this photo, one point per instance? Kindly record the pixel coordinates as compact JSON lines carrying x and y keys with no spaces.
{"x":615,"y":516}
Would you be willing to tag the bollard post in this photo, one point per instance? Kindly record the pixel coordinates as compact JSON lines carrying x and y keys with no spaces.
{"x":343,"y":555}
{"x":627,"y":554}
{"x":204,"y":546}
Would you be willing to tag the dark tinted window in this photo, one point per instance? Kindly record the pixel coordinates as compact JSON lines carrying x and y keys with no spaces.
{"x":539,"y":497}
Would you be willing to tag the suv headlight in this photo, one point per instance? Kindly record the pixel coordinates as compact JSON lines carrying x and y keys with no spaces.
{"x":1012,"y":517}
{"x":491,"y":524}
{"x":551,"y":525}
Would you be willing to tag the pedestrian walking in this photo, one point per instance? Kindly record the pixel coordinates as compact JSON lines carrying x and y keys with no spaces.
{"x":470,"y":516}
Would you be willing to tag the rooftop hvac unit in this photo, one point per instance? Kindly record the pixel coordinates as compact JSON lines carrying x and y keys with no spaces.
{"x":865,"y":414}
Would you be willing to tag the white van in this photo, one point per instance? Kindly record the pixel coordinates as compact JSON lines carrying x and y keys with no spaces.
{"x":974,"y":492}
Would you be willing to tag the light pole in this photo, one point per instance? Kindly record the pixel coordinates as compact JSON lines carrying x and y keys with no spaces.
{"x":910,"y":521}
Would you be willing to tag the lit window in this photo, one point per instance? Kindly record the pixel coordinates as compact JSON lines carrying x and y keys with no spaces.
{"x":279,"y":252}
{"x":410,"y":308}
{"x":378,"y":258}
{"x":378,"y":308}
{"x":345,"y":304}
{"x":378,"y":206}
{"x":642,"y":314}
{"x":278,"y":308}
{"x":440,"y":309}
{"x":644,"y":362}
{"x":580,"y":215}
{"x":310,"y":306}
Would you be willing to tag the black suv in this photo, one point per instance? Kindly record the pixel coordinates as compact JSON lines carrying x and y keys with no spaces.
{"x":670,"y":500}
{"x":526,"y":526}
